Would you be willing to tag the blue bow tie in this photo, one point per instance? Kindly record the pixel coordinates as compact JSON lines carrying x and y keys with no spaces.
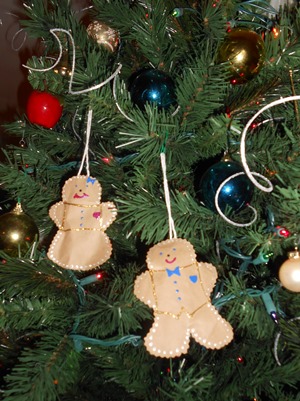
{"x":175,"y":271}
{"x":92,"y":180}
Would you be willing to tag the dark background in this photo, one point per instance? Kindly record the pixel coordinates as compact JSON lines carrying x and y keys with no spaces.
{"x":14,"y":87}
{"x":15,"y":49}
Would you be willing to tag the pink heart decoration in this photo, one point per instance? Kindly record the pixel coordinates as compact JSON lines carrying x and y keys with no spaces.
{"x":96,"y":215}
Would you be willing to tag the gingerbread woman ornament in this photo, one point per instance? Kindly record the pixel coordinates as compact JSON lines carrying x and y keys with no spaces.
{"x":81,"y":242}
{"x":178,"y":289}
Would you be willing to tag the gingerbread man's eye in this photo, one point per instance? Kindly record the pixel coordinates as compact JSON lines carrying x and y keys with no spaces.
{"x":174,"y":249}
{"x":160,"y":253}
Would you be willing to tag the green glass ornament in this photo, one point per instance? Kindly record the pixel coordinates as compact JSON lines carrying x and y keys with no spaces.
{"x":236,"y":193}
{"x":18,"y":231}
{"x":152,"y":86}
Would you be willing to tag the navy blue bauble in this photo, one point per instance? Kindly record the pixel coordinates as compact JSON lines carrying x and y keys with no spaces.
{"x":236,"y":193}
{"x":152,"y":86}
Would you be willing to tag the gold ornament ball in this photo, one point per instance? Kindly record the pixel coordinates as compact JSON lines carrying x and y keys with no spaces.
{"x":17,"y":232}
{"x":289,"y":272}
{"x":63,"y":71}
{"x":244,"y":50}
{"x":104,"y":35}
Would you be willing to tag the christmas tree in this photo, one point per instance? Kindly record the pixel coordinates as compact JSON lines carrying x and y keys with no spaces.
{"x":149,"y":227}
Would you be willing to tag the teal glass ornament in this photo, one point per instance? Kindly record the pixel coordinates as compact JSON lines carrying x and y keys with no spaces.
{"x":154,"y":87}
{"x":235,"y":193}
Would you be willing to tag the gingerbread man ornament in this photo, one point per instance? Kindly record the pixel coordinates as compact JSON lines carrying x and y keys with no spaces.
{"x":178,"y":289}
{"x":81,"y":242}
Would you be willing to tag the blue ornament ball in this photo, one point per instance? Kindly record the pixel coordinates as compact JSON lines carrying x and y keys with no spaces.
{"x":152,"y":86}
{"x":236,"y":193}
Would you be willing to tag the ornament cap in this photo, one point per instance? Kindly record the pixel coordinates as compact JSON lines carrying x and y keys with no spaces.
{"x":226,"y":157}
{"x":18,"y":208}
{"x":294,"y":254}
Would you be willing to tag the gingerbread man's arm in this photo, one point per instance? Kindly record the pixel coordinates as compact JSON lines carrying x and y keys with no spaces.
{"x":208,"y":274}
{"x":143,"y":289}
{"x":56,"y":213}
{"x":108,"y":214}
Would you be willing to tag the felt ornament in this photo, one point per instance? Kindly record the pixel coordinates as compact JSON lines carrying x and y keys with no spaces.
{"x":178,"y":289}
{"x":81,"y":218}
{"x":81,"y":242}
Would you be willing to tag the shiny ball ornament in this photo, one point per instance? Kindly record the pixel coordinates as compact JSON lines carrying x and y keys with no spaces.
{"x":63,"y":71}
{"x":104,"y":35}
{"x":63,"y":67}
{"x":43,"y":109}
{"x":152,"y":86}
{"x":244,"y":50}
{"x":289,"y":272}
{"x":18,"y":231}
{"x":236,"y":193}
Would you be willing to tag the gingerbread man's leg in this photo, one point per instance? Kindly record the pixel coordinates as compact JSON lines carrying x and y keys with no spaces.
{"x":168,"y":336}
{"x":209,"y":328}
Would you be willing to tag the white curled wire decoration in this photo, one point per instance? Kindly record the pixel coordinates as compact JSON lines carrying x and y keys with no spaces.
{"x":53,"y":32}
{"x":275,"y":350}
{"x":250,"y":174}
{"x":175,"y":111}
{"x":251,"y":207}
{"x":73,"y":125}
{"x":16,"y":34}
{"x":117,"y":104}
{"x":17,"y":48}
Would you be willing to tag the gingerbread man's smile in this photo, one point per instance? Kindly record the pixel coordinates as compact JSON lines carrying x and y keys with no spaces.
{"x":84,"y":195}
{"x":170,"y":261}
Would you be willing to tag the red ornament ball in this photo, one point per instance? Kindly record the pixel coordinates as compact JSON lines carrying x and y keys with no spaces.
{"x":43,"y":109}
